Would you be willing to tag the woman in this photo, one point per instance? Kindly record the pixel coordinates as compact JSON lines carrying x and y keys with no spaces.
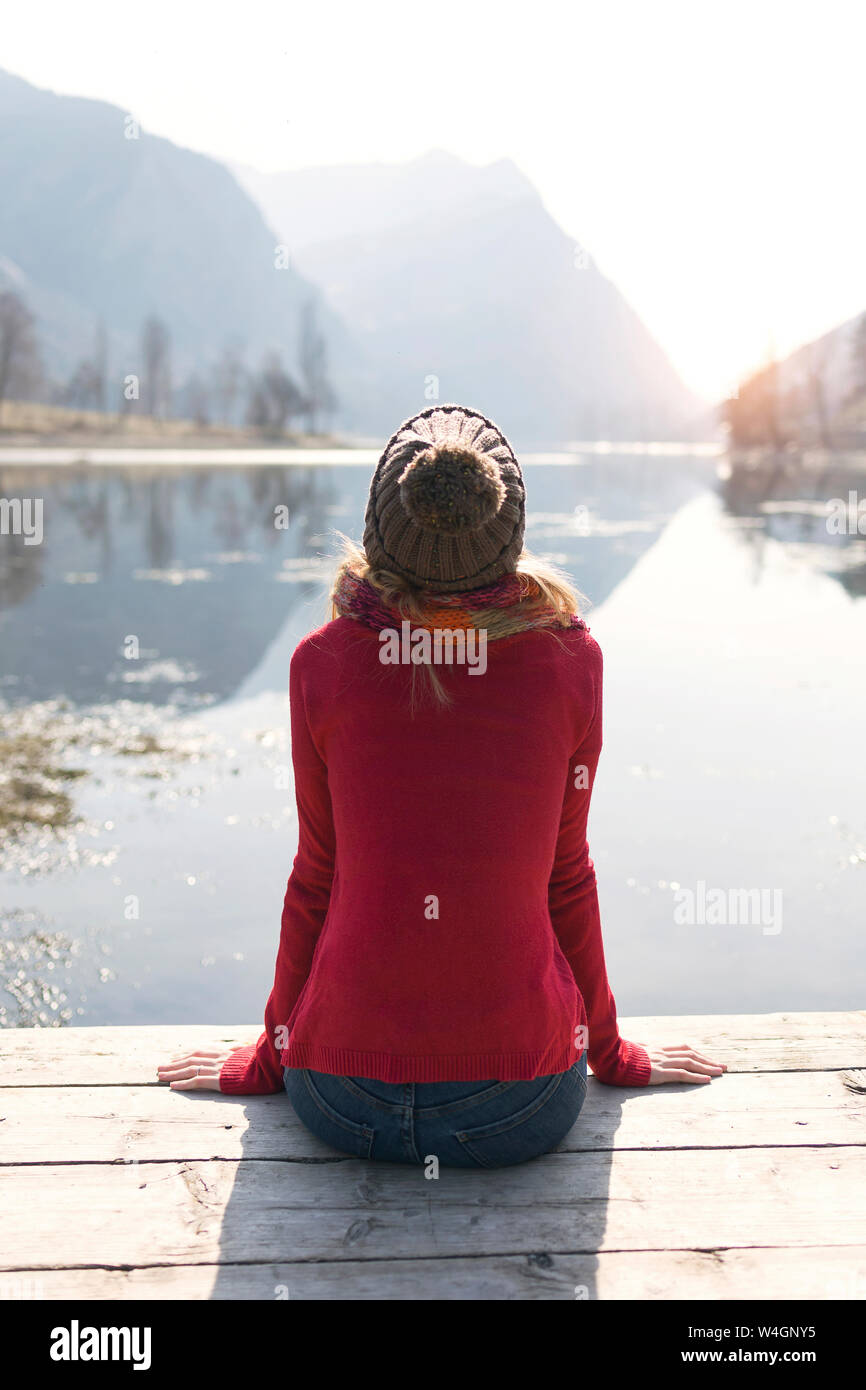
{"x":440,"y":980}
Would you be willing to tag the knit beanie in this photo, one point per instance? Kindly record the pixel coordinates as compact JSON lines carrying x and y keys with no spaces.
{"x":447,"y":503}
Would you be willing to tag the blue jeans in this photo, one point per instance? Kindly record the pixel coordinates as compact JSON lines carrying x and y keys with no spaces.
{"x":464,"y":1124}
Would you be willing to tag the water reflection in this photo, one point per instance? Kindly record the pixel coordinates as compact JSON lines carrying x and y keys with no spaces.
{"x":734,"y":700}
{"x":183,"y":560}
{"x":190,"y":561}
{"x":789,"y":501}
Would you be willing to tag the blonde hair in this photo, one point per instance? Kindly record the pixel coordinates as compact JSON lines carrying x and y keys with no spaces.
{"x":547,"y":589}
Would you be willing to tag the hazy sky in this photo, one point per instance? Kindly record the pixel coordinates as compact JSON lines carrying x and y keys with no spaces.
{"x":708,"y":155}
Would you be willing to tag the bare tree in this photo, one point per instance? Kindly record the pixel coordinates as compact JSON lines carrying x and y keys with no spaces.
{"x":156,"y":368}
{"x":858,"y":359}
{"x":754,"y":414}
{"x":228,"y":381}
{"x":86,"y":388}
{"x":313,"y":356}
{"x":100,"y":366}
{"x":19,"y":353}
{"x":816,"y":373}
{"x":197,"y":403}
{"x":275,"y":399}
{"x":82,"y":390}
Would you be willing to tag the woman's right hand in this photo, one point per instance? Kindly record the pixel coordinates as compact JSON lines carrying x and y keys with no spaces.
{"x":681,"y":1063}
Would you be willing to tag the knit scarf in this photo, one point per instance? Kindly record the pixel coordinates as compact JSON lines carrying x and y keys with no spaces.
{"x":512,"y":604}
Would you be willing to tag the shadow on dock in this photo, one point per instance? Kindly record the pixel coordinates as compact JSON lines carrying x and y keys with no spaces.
{"x":317,"y":1224}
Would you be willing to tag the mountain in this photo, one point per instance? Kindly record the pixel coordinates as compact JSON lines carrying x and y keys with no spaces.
{"x":434,"y":279}
{"x":457,"y":278}
{"x":815,"y":396}
{"x":96,"y":226}
{"x":826,"y":379}
{"x":352,"y":200}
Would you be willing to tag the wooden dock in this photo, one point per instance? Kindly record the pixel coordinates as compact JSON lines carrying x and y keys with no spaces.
{"x":751,"y":1187}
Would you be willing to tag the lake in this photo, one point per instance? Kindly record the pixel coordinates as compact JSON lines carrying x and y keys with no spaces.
{"x":144,"y":652}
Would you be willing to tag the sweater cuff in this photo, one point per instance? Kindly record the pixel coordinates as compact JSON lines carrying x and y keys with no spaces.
{"x":632,"y":1067}
{"x":637,"y":1066}
{"x":234,"y":1069}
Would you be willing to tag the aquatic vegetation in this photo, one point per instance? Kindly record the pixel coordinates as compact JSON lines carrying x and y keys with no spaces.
{"x":32,"y":784}
{"x":49,"y":747}
{"x":142,"y":743}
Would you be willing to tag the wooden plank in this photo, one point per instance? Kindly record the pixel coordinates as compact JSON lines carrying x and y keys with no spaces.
{"x":762,"y":1042}
{"x":170,"y":1213}
{"x":110,"y":1124}
{"x":119,"y":1124}
{"x":129,"y":1056}
{"x":106,"y":1056}
{"x":806,"y":1273}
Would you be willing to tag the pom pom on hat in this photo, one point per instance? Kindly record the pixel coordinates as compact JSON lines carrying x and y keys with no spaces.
{"x":451,"y":489}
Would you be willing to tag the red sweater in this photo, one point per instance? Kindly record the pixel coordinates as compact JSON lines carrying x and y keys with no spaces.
{"x":441,"y":920}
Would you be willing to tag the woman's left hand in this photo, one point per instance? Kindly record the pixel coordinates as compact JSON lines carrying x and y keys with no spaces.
{"x":196,"y":1071}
